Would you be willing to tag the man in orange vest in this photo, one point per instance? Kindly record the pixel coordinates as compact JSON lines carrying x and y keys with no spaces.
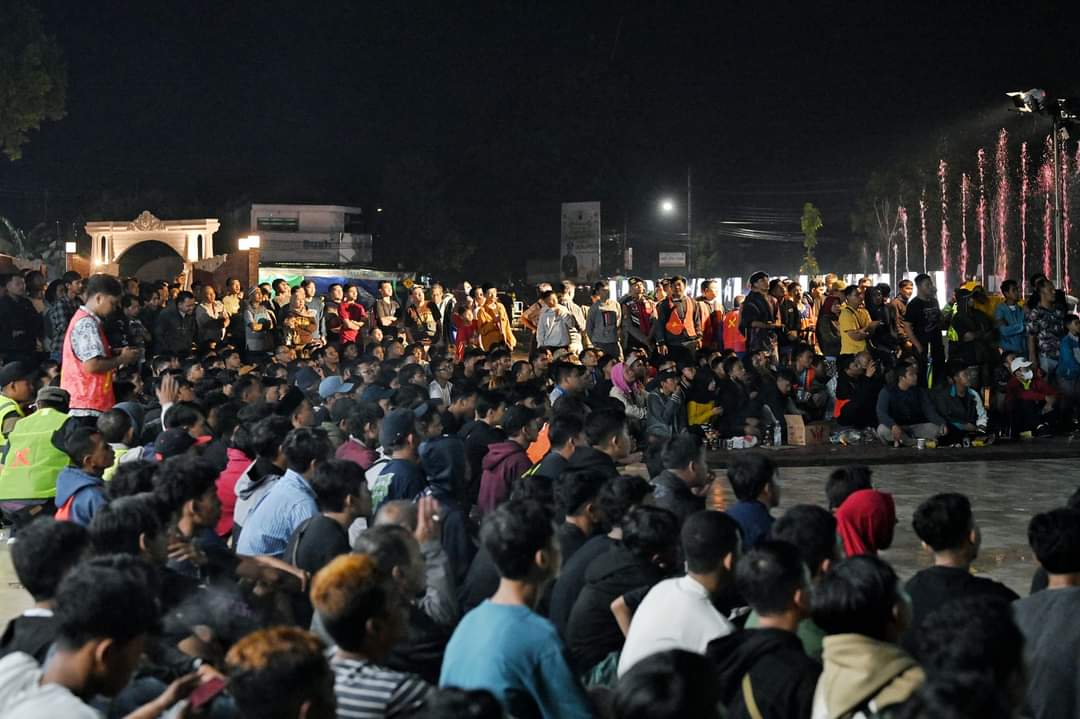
{"x":88,"y":360}
{"x":677,"y":330}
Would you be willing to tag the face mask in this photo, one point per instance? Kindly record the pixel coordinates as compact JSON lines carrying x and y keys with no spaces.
{"x":1026,"y":375}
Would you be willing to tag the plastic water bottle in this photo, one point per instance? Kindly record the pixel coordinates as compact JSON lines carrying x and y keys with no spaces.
{"x":777,"y":436}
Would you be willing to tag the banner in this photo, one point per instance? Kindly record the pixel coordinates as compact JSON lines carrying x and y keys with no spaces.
{"x":580,"y":256}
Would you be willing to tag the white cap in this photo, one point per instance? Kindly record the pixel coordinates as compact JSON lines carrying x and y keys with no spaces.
{"x":1018,"y":363}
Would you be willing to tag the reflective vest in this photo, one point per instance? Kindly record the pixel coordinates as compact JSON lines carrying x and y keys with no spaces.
{"x":33,"y":463}
{"x":8,"y":407}
{"x":87,"y":389}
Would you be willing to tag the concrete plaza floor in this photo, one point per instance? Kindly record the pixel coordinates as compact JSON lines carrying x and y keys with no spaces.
{"x":1004,"y":494}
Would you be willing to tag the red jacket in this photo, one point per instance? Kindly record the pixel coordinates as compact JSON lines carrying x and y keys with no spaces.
{"x":504,"y":462}
{"x":226,"y":488}
{"x":1037,"y":391}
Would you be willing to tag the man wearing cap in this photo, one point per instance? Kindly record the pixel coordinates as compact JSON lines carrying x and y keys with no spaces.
{"x":507,"y":460}
{"x":331,"y":388}
{"x":32,"y":463}
{"x":89,"y":361}
{"x":16,"y":389}
{"x":401,"y":477}
{"x":1030,"y":401}
{"x":295,"y":405}
{"x":21,"y":327}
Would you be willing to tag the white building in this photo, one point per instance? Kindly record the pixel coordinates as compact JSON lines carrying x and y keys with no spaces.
{"x":311,"y":234}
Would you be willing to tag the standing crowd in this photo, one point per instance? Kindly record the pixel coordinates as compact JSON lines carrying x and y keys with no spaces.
{"x":271,"y":503}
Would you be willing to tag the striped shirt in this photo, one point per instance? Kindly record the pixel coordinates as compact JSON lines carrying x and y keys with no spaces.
{"x":368,"y":691}
{"x":271,"y":522}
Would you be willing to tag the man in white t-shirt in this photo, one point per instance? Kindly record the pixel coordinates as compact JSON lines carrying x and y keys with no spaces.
{"x":679,"y":613}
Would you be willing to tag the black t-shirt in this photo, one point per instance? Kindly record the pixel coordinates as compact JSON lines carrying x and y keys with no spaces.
{"x":29,"y":633}
{"x":311,"y":547}
{"x":572,"y":578}
{"x":570,"y":539}
{"x":926,"y":321}
{"x":934,"y":586}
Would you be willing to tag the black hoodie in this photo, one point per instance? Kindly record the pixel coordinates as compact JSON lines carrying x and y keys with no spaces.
{"x":592,"y":631}
{"x":782,"y":677}
{"x":589,"y":458}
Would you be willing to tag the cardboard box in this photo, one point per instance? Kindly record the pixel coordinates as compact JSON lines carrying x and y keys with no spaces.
{"x":803,"y":434}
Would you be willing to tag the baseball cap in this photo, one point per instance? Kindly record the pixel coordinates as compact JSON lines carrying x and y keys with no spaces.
{"x":375,"y":392}
{"x":56,"y":395}
{"x":396,"y":426}
{"x":334,"y":385}
{"x":1018,"y":363}
{"x":306,"y":378}
{"x":15,"y":371}
{"x":173,"y":442}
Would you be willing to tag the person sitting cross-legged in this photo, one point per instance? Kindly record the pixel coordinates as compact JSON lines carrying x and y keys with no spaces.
{"x":959,"y":404}
{"x":764,"y":672}
{"x":904,"y":410}
{"x":503,"y":645}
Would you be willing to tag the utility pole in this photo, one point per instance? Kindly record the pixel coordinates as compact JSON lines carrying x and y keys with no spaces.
{"x":689,"y":225}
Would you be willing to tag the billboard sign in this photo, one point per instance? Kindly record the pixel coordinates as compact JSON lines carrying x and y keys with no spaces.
{"x":580,"y":255}
{"x":672,"y":259}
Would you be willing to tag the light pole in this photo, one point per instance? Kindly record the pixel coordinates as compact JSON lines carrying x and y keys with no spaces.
{"x":667,"y":207}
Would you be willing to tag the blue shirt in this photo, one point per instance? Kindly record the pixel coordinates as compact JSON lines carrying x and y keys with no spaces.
{"x":1011,"y":328}
{"x":517,"y":655}
{"x":1068,"y":364}
{"x":277,"y":515}
{"x":754,"y":520}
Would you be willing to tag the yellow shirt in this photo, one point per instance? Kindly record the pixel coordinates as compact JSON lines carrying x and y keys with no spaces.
{"x":851,"y":320}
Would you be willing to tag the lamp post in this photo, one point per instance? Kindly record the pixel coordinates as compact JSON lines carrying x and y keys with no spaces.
{"x":667,"y":207}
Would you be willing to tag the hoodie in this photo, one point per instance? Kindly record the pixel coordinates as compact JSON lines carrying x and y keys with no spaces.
{"x":602,"y":325}
{"x":443,"y":461}
{"x":594,"y":459}
{"x":782,"y":677}
{"x":238,"y":466}
{"x":85,"y":492}
{"x":592,"y":633}
{"x":863,"y":676}
{"x":504,"y":462}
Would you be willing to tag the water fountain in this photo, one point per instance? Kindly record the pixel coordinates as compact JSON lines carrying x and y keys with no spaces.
{"x":902,"y":212}
{"x":943,"y":181}
{"x":1024,"y":191}
{"x":922,"y":227}
{"x":980,"y":212}
{"x":965,"y":205}
{"x":1001,"y":204}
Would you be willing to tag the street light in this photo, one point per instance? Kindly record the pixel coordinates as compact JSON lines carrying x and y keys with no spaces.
{"x":667,"y":207}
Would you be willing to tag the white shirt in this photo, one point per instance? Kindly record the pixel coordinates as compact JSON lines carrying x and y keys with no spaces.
{"x":23,"y":696}
{"x":440,"y":393}
{"x":675,"y":614}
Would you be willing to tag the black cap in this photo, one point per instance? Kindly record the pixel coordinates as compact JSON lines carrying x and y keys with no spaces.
{"x":15,"y":371}
{"x":173,"y":442}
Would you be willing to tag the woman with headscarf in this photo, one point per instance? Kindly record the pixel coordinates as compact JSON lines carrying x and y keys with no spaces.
{"x":626,"y":386}
{"x":866,"y":521}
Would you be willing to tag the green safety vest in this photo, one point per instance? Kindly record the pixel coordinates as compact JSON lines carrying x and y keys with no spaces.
{"x":8,"y":406}
{"x":32,"y":463}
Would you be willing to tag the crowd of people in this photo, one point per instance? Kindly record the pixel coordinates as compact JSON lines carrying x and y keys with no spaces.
{"x":281,"y":504}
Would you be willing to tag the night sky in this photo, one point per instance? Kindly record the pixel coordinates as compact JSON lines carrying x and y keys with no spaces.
{"x":514,"y":107}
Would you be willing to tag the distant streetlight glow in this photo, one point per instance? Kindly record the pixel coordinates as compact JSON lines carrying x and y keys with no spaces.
{"x":667,"y":207}
{"x":378,"y":209}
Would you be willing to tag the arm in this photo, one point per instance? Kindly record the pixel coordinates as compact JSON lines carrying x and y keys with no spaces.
{"x":883,"y":408}
{"x":622,"y":614}
{"x":932,"y":415}
{"x":910,"y":332}
{"x":439,"y":601}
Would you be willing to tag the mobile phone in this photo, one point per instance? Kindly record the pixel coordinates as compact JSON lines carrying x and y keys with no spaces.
{"x":205,"y":692}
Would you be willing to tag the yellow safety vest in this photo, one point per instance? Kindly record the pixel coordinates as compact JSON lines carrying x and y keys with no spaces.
{"x":32,"y":463}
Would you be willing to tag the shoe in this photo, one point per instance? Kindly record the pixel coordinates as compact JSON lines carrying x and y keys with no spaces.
{"x":1026,"y":435}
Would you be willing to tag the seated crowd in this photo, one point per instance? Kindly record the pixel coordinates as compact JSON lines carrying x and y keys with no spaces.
{"x":375,"y":511}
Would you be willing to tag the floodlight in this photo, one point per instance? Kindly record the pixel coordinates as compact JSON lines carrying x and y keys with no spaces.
{"x":1033,"y":100}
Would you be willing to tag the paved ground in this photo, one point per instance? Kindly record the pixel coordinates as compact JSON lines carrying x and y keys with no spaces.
{"x":1005,"y":495}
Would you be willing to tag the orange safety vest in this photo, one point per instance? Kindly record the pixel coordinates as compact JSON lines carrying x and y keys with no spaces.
{"x":676,"y":325}
{"x":87,"y":389}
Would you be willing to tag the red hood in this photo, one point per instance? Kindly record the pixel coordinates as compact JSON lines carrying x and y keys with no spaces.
{"x":498,"y":452}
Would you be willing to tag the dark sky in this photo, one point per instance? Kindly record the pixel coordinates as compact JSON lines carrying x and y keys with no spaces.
{"x":518,"y":106}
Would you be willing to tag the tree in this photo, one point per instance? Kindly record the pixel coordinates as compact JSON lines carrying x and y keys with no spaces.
{"x":811,"y":223}
{"x":876,"y":220}
{"x":33,"y":77}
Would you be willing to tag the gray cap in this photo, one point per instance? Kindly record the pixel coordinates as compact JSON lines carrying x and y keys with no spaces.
{"x":53,"y":395}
